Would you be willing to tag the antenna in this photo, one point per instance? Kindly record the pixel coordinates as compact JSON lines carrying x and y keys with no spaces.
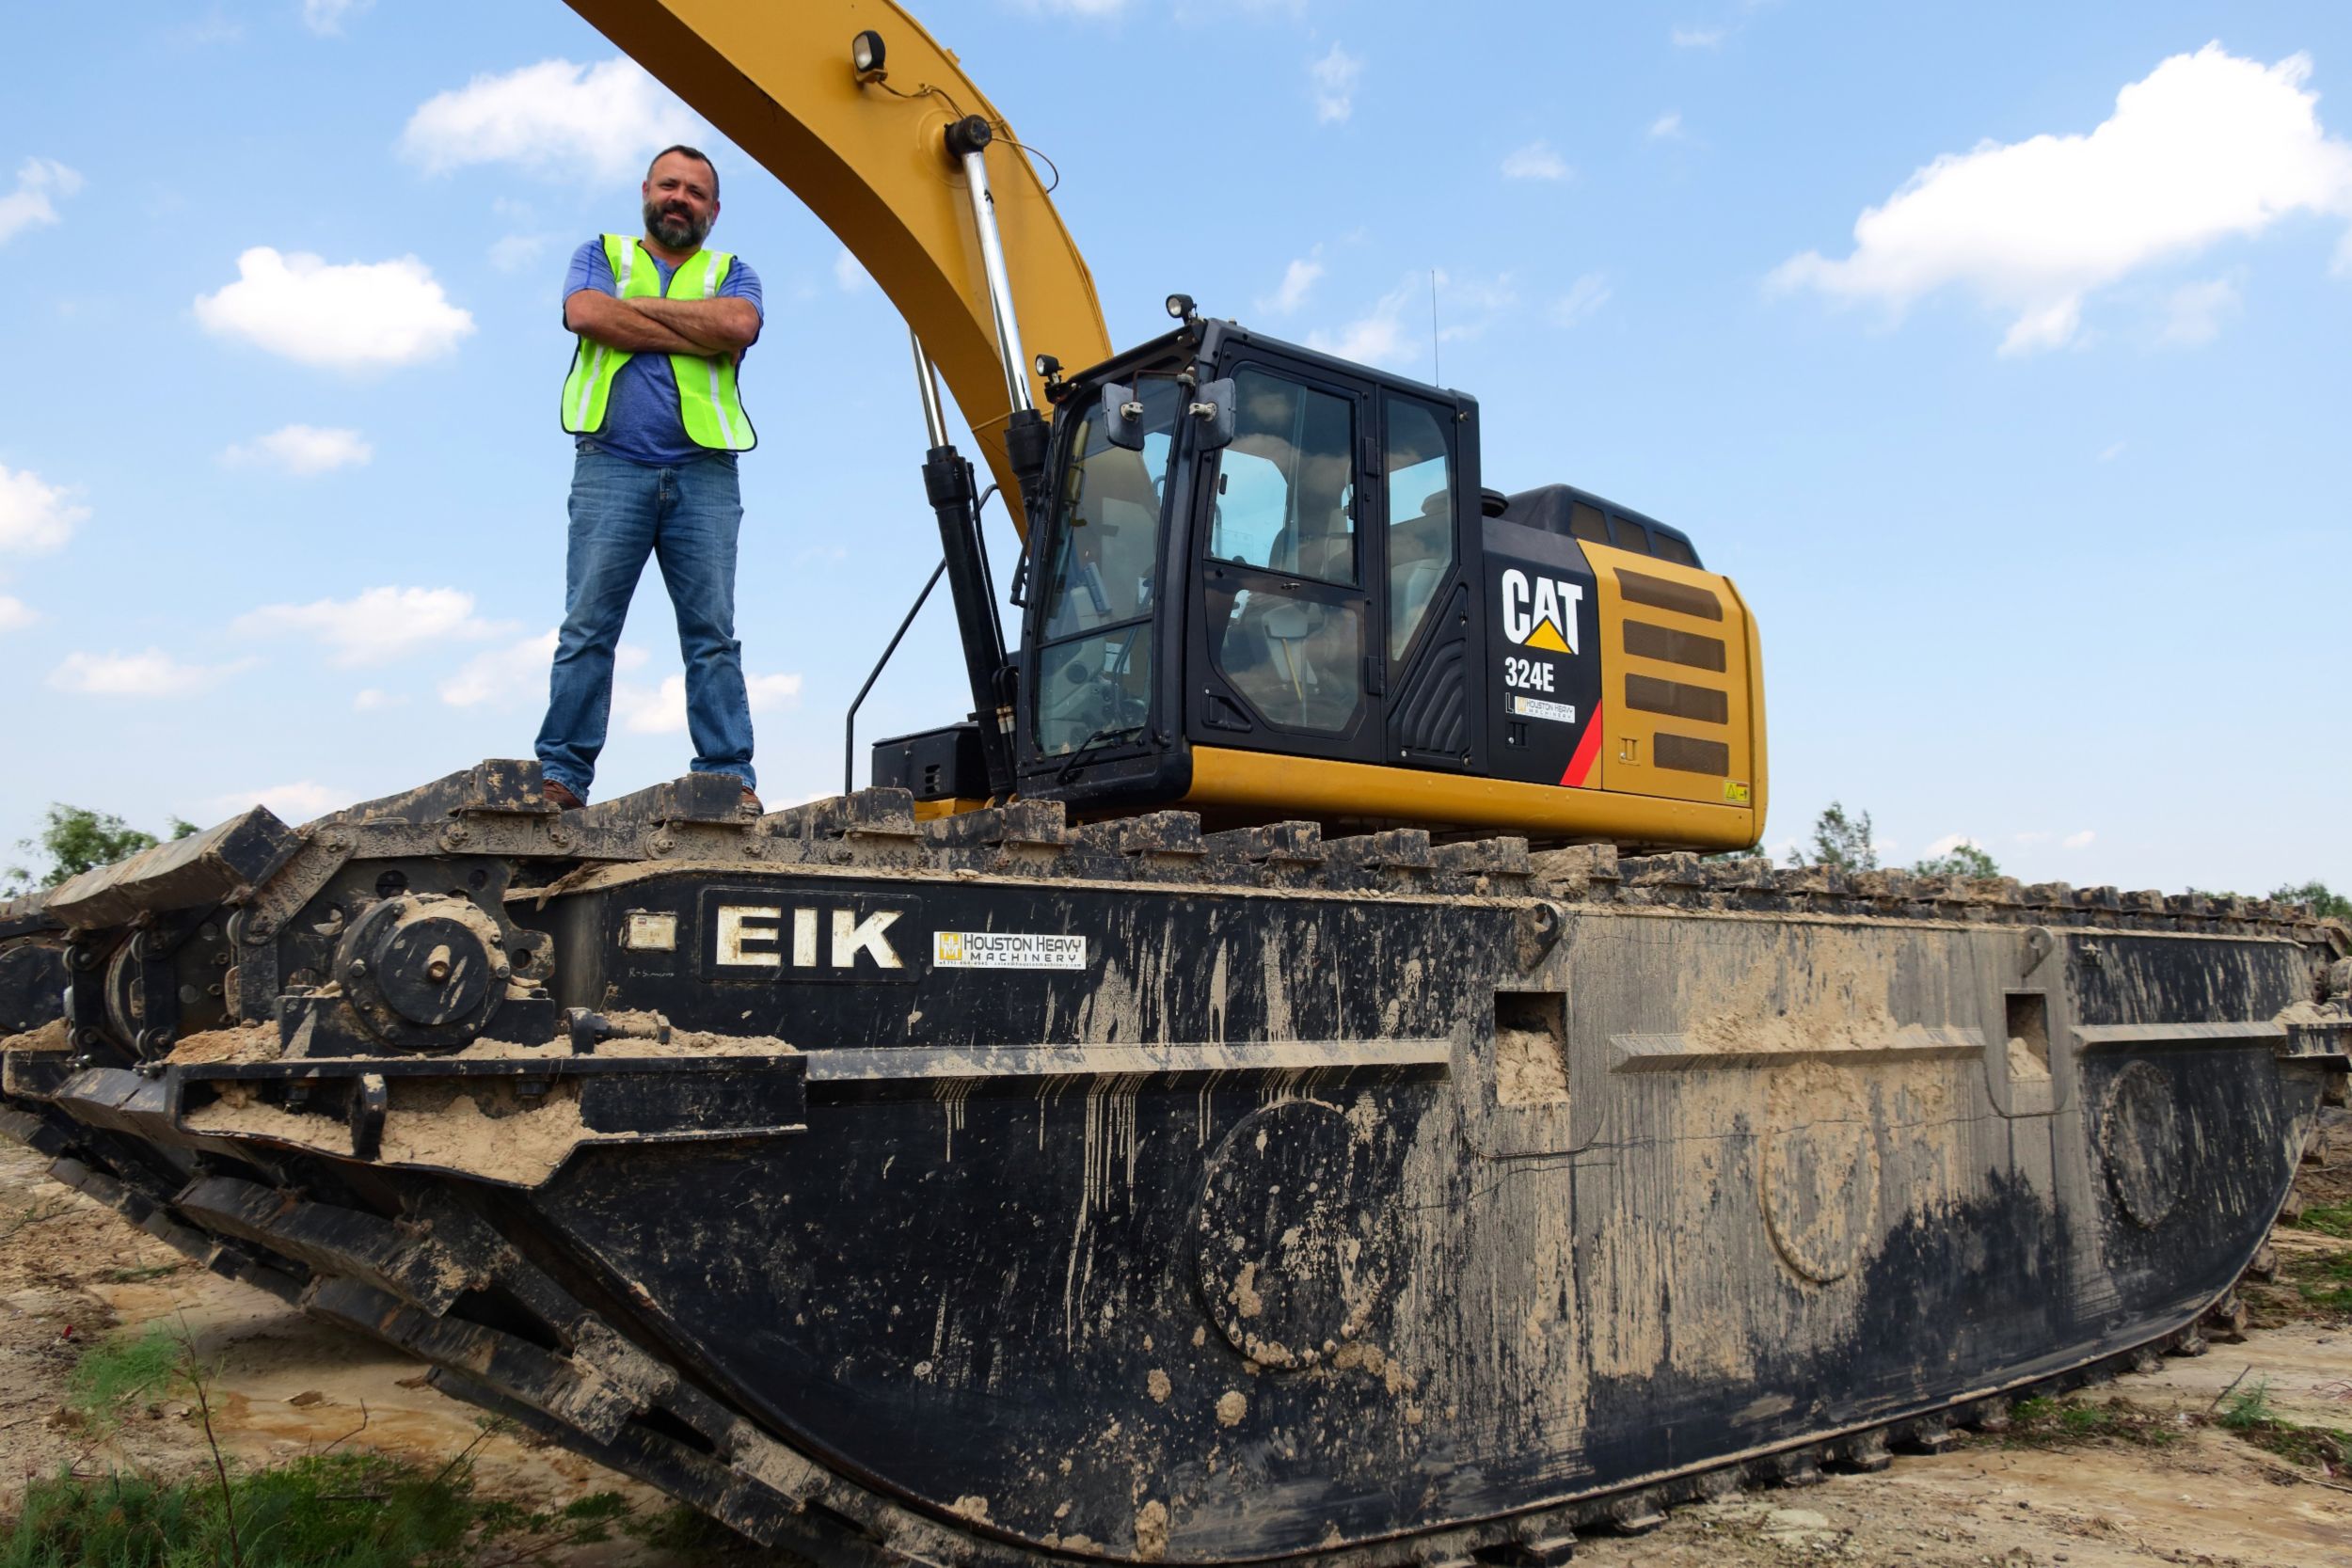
{"x":1436,"y":377}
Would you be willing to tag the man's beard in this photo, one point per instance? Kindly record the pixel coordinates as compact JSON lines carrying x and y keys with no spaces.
{"x":679,"y":230}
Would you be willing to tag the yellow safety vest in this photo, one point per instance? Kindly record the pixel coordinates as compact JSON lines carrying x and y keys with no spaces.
{"x":707,"y":405}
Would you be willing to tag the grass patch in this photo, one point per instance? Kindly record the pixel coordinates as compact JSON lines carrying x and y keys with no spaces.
{"x":2326,"y":1284}
{"x":115,"y":1372}
{"x":2326,"y":1450}
{"x":2329,"y":1219}
{"x":2250,"y":1413}
{"x":343,"y":1510}
{"x":2312,"y":1285}
{"x":2248,"y":1406}
{"x":326,"y":1510}
{"x":2043,"y":1422}
{"x":39,"y":1211}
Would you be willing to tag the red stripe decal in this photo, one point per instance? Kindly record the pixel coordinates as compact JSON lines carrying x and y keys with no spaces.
{"x":1587,"y":752}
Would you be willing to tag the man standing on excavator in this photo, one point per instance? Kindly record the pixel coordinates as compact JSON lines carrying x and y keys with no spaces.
{"x":652,"y":406}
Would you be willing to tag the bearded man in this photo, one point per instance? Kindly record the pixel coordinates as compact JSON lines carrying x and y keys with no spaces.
{"x":652,"y":406}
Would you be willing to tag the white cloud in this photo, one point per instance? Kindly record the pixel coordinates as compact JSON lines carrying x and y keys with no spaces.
{"x":650,"y":710}
{"x":556,"y":118}
{"x":2113,"y":451}
{"x":1471,"y":305}
{"x":325,"y":17}
{"x":1950,"y":842}
{"x":503,"y":674}
{"x":2193,"y":312}
{"x":514,"y":252}
{"x":376,"y":625}
{"x":1395,"y":332}
{"x":1378,"y":337}
{"x":662,"y":710}
{"x":769,"y":692}
{"x":2207,"y":146}
{"x":210,"y":29}
{"x":153,"y":673}
{"x":15,"y":614}
{"x":1332,"y":80}
{"x":1667,"y":127}
{"x":1535,"y":161}
{"x":376,"y":699}
{"x":1586,"y":295}
{"x":848,"y":275}
{"x":358,"y":316}
{"x":28,"y":206}
{"x":2079,"y":841}
{"x":1699,"y":38}
{"x":1297,"y":278}
{"x":301,"y":449}
{"x":293,"y":802}
{"x":35,"y":518}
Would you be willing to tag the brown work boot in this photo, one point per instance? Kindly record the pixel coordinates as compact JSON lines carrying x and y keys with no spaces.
{"x":751,"y":803}
{"x":559,"y":797}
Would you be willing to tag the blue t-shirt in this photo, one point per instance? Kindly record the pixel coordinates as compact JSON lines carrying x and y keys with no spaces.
{"x":641,"y":418}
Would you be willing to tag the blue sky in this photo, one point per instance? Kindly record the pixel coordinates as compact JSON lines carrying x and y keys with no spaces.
{"x":2037,"y":483}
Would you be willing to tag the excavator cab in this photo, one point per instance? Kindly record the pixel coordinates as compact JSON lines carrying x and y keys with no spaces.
{"x":1266,"y":583}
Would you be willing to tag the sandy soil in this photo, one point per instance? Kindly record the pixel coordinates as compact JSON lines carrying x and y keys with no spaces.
{"x":72,"y":1271}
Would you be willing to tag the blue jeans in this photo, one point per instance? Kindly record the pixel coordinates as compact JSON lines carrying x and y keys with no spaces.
{"x":688,"y":516}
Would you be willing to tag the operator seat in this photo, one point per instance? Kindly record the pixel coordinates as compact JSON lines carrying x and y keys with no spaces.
{"x":1420,"y":551}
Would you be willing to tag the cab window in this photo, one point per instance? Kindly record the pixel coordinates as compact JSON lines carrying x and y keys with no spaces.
{"x":1094,"y":664}
{"x":1420,"y":514}
{"x":1285,"y":497}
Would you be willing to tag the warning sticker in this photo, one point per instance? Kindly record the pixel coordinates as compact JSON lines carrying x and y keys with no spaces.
{"x":1539,"y":708}
{"x":1007,"y":950}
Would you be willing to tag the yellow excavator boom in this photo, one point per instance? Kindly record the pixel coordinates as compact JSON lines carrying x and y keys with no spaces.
{"x":869,"y":159}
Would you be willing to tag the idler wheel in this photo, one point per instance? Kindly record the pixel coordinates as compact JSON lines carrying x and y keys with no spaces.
{"x":423,"y":971}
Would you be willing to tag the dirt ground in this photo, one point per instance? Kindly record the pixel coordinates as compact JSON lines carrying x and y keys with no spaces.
{"x":72,"y":1272}
{"x":2208,"y":1498}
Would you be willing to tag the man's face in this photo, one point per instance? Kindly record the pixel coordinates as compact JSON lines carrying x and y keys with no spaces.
{"x":680,"y":205}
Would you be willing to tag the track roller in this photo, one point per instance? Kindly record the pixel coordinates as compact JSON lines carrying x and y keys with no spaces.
{"x":1927,"y":1436}
{"x":1865,"y":1453}
{"x":1637,"y":1513}
{"x":2225,"y":1320}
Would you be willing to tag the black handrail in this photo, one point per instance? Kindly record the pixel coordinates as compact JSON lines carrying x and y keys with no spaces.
{"x":848,"y":739}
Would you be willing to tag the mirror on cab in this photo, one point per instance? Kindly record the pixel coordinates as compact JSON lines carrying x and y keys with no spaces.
{"x":1122,"y":417}
{"x":1212,"y":404}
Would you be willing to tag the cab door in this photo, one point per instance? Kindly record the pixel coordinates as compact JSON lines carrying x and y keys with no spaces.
{"x":1286,"y":647}
{"x":1428,"y":489}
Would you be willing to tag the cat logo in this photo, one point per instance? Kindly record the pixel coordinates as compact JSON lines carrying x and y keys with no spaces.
{"x":1540,"y":614}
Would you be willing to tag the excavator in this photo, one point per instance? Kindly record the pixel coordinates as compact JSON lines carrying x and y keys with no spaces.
{"x":1292,"y":1077}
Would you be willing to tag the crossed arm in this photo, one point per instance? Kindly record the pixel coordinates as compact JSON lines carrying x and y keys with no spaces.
{"x":707,"y":327}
